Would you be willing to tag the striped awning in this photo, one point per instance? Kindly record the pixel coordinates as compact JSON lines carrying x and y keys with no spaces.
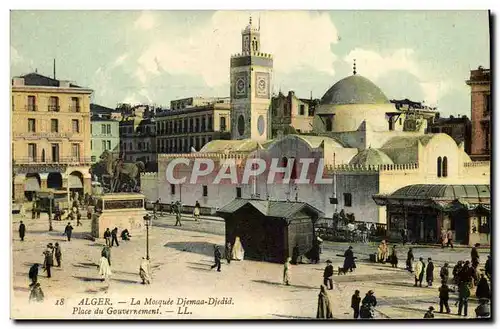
{"x":31,"y":184}
{"x":75,"y":182}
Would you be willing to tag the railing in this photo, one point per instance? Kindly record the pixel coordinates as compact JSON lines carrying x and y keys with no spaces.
{"x":37,"y":135}
{"x":60,"y":160}
{"x":74,"y":108}
{"x":53,"y":108}
{"x":31,"y":108}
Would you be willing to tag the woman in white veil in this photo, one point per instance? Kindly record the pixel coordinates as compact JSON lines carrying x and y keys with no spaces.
{"x":238,"y":251}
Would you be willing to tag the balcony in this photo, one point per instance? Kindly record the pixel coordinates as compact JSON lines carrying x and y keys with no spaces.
{"x":61,"y":160}
{"x":53,"y":108}
{"x":31,"y":108}
{"x":50,"y":136}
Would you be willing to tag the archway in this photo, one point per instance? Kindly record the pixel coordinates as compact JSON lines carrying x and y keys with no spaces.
{"x":32,"y":184}
{"x":54,"y":180}
{"x":75,"y":183}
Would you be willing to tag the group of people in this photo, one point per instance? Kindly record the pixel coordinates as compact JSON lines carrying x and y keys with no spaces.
{"x":231,"y":252}
{"x":51,"y":251}
{"x":111,"y":237}
{"x":362,"y":308}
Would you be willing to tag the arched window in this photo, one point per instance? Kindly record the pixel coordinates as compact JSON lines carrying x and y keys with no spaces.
{"x":445,"y":167}
{"x":439,"y":162}
{"x":328,"y":124}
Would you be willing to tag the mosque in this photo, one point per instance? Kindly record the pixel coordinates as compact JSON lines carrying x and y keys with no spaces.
{"x":384,"y":167}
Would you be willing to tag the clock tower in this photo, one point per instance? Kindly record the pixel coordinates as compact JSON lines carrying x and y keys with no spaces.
{"x":251,"y":74}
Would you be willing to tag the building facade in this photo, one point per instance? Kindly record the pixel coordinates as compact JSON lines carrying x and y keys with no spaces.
{"x":50,"y":136}
{"x":105,"y":137}
{"x":290,"y":114}
{"x":481,"y":107}
{"x":460,"y":129}
{"x":138,"y":140}
{"x":363,"y":143}
{"x":192,"y":127}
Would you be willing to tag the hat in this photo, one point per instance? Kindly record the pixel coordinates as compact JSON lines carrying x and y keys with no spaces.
{"x":431,"y":308}
{"x":329,"y":261}
{"x":429,"y":258}
{"x":370,"y":292}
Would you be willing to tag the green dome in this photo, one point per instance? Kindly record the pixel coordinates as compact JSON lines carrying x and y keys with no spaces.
{"x":371,"y":157}
{"x":354,"y":90}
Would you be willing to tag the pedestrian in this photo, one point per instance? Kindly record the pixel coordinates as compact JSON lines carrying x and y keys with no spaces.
{"x":367,"y":310}
{"x":22,"y":230}
{"x":228,"y":252}
{"x":483,"y":288}
{"x":90,"y":211}
{"x":409,"y":260}
{"x":474,"y":256}
{"x":68,"y":230}
{"x":444,"y":296}
{"x":286,"y":271}
{"x":456,"y":272}
{"x":217,"y":257}
{"x":104,"y":269}
{"x":38,"y":210}
{"x":324,"y":306}
{"x":172,"y":208}
{"x":449,"y":237}
{"x":36,"y":293}
{"x":33,"y":273}
{"x":196,"y":211}
{"x":107,"y":237}
{"x":430,"y":313}
{"x":444,"y":238}
{"x":22,"y":211}
{"x":355,"y":301}
{"x":106,"y":252}
{"x":78,"y":218}
{"x":327,"y":275}
{"x":178,"y":218}
{"x":483,"y":310}
{"x":313,"y":254}
{"x":33,"y":209}
{"x":48,"y":259}
{"x":444,"y":273}
{"x":394,"y":257}
{"x":349,"y":260}
{"x":429,"y":272}
{"x":380,"y":253}
{"x":125,"y":235}
{"x":463,"y":297}
{"x":487,"y":267}
{"x":114,"y":237}
{"x":145,"y":271}
{"x":58,"y":254}
{"x":419,"y":272}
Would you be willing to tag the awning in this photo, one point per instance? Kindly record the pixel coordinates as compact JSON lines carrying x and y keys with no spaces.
{"x":75,"y":182}
{"x":31,"y":184}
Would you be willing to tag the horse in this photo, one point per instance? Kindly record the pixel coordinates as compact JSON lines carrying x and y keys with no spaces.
{"x":119,"y":171}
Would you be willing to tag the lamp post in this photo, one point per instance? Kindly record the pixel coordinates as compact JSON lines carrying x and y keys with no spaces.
{"x":51,"y":198}
{"x":147,"y":222}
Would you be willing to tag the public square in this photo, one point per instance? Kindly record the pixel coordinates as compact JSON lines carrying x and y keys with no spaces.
{"x":181,"y":260}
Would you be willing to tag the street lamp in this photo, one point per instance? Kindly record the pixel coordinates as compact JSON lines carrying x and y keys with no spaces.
{"x":147,"y":222}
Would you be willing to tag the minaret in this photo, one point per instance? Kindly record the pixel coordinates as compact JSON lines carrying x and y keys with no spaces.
{"x":251,"y":76}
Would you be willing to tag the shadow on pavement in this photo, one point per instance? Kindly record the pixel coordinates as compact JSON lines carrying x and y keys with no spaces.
{"x":82,"y":278}
{"x":205,"y":269}
{"x":281,"y":284}
{"x":399,"y":284}
{"x":203,"y":248}
{"x":21,"y":289}
{"x":126,"y":280}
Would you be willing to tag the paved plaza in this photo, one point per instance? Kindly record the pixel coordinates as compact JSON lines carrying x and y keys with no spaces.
{"x":181,"y":260}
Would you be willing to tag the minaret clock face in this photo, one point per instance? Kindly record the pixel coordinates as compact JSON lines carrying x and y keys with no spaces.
{"x":262,"y":88}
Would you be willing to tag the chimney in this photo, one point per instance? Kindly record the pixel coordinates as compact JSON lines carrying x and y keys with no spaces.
{"x":64,"y":84}
{"x":16,"y":82}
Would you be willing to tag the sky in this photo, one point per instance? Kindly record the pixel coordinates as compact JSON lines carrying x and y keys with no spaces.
{"x":154,"y":57}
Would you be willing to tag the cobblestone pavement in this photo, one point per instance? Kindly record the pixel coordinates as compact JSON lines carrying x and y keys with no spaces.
{"x":181,"y":258}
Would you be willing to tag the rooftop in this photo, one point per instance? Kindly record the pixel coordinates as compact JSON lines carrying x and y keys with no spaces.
{"x":35,"y":79}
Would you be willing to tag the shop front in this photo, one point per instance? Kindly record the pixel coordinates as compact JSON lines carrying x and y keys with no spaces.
{"x":425,"y":210}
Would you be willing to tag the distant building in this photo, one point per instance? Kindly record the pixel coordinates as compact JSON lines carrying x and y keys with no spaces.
{"x":458,"y":128}
{"x":105,"y":136}
{"x":103,"y":112}
{"x":138,"y":140}
{"x":180,"y":104}
{"x":291,"y":115}
{"x":481,"y":107}
{"x":179,"y":130}
{"x":50,"y":135}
